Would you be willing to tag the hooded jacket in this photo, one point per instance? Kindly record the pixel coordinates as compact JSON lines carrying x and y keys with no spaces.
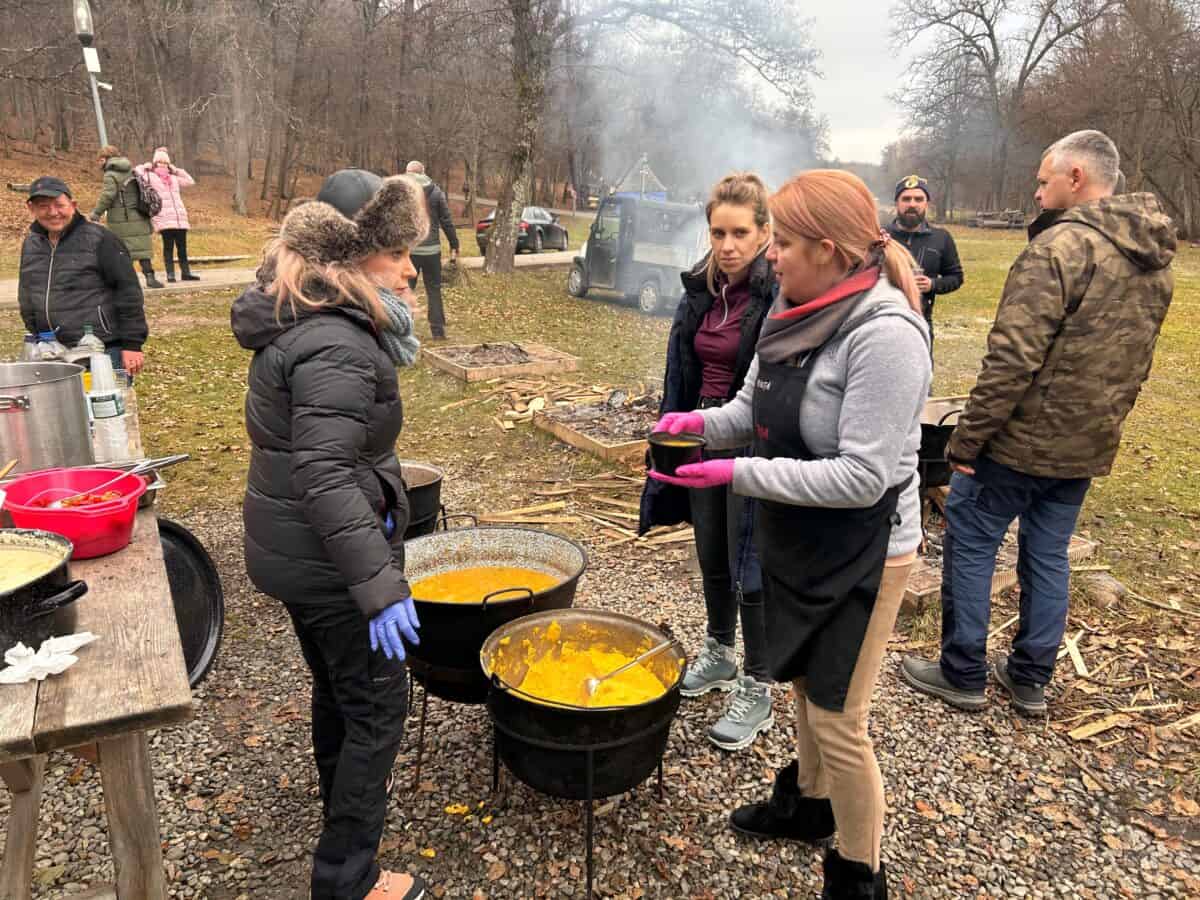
{"x":1073,"y":340}
{"x":118,"y":198}
{"x":174,"y":214}
{"x":323,"y":413}
{"x":439,"y":216}
{"x":86,"y":278}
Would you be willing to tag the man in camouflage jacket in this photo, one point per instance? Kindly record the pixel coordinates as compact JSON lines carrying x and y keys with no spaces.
{"x":1071,"y":345}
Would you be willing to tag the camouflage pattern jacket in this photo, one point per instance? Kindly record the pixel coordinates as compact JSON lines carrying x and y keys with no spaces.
{"x":1073,"y":340}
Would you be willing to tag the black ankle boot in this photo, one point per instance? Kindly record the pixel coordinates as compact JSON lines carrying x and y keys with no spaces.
{"x":848,"y":880}
{"x":788,"y":814}
{"x":170,"y":274}
{"x":186,"y":271}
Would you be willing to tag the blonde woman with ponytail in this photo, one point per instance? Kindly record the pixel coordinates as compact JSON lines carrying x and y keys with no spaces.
{"x":831,"y":406}
{"x":726,"y":297}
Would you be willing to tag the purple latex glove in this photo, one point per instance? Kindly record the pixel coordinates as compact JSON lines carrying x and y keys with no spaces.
{"x":678,"y":422}
{"x":707,"y":474}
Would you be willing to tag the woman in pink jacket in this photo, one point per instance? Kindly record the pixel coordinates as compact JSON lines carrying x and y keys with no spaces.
{"x":172,"y":220}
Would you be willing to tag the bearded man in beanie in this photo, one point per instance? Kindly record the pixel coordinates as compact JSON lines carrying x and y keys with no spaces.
{"x":933,"y":248}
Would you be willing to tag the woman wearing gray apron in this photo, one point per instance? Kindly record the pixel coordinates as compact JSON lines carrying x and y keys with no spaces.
{"x":832,"y":406}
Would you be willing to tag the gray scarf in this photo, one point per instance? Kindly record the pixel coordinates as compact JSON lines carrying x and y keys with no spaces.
{"x":786,"y":335}
{"x":397,"y":337}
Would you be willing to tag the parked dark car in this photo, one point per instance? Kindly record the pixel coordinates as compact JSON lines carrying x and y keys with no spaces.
{"x":638,"y":248}
{"x":539,"y":230}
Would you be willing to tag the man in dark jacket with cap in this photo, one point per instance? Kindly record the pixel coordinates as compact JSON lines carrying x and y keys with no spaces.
{"x":427,"y":256}
{"x":76,"y":273}
{"x":932,"y":248}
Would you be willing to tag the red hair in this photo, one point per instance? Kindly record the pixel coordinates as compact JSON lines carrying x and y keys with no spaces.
{"x":833,"y":205}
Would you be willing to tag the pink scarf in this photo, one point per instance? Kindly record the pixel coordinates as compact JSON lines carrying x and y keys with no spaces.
{"x":164,"y":172}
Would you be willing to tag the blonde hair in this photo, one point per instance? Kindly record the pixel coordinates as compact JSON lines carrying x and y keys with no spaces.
{"x":833,"y":205}
{"x":737,"y":189}
{"x":292,"y":279}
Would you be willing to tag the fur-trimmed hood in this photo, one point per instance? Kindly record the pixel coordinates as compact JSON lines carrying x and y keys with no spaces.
{"x":394,"y":219}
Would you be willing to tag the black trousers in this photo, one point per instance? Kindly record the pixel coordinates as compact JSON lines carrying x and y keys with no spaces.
{"x":429,"y":267}
{"x":359,"y":702}
{"x":717,"y":515}
{"x":175,"y":239}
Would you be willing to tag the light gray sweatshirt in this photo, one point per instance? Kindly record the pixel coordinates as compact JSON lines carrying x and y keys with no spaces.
{"x":861,"y":414}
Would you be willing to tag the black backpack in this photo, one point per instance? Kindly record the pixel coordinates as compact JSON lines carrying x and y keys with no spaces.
{"x":147,"y":201}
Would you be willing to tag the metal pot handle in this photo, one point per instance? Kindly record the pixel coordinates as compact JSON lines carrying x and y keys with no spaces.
{"x":13,"y":401}
{"x":953,"y":412}
{"x":446,"y":518}
{"x":67,"y":595}
{"x":508,"y":590}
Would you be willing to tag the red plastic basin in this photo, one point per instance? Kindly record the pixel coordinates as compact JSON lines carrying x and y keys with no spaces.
{"x":95,"y":530}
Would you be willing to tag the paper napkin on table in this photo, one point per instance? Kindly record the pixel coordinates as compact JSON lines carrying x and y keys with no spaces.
{"x":56,"y":655}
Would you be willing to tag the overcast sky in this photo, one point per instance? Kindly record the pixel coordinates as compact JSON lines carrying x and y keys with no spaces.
{"x":860,"y":69}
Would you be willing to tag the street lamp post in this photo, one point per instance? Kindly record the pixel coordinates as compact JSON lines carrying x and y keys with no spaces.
{"x":91,"y":59}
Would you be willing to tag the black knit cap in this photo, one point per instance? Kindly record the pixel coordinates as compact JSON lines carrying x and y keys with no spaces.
{"x":349,"y":190}
{"x":912,"y":182}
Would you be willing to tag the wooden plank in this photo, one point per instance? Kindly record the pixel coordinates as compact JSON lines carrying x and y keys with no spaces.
{"x":626,"y":452}
{"x":1083,"y":732}
{"x":16,"y":872}
{"x":546,"y":361}
{"x":18,"y":708}
{"x":132,"y":678}
{"x":132,"y":818}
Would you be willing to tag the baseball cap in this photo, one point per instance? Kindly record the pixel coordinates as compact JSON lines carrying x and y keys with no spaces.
{"x":48,"y":186}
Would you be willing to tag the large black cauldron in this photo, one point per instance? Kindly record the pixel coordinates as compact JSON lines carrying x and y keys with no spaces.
{"x":938,"y":419}
{"x":548,"y":745}
{"x":446,"y":661}
{"x":423,"y":488}
{"x":43,"y":606}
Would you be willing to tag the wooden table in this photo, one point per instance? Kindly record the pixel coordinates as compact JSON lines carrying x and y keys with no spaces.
{"x":129,"y":681}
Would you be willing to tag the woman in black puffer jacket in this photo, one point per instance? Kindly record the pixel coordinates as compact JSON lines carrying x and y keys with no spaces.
{"x":325,"y":510}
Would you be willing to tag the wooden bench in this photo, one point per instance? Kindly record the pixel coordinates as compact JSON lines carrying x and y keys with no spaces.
{"x":131,"y":680}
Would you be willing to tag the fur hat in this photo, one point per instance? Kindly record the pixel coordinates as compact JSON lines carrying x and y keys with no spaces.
{"x":393,"y":219}
{"x":161,"y":156}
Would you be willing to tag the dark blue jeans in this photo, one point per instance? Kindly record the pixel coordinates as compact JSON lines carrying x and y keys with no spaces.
{"x":978,"y":513}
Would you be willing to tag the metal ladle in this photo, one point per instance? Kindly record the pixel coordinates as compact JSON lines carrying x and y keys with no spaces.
{"x":591,"y":685}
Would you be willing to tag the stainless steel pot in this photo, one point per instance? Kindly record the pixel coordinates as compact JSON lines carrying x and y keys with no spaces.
{"x":43,"y":416}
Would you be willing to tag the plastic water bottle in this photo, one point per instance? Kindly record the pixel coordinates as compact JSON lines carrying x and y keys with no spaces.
{"x":89,"y":341}
{"x":29,"y":349}
{"x":106,"y":406}
{"x":48,"y":347}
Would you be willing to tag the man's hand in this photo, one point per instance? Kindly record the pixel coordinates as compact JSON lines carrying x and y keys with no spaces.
{"x":133,"y":361}
{"x":964,"y":470}
{"x":924,"y":283}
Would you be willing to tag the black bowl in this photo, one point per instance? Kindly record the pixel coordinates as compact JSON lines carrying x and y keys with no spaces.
{"x":44,"y":606}
{"x":670,"y":451}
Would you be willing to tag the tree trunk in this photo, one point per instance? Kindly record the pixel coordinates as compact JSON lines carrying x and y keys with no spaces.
{"x":532,"y":45}
{"x":241,"y":130}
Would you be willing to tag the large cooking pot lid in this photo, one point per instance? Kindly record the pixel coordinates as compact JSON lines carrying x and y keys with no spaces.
{"x":197,"y":596}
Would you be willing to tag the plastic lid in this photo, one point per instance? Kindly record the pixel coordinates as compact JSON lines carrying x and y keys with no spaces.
{"x":45,"y":335}
{"x":87,"y":329}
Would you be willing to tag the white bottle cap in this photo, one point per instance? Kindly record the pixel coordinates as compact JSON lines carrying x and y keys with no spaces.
{"x":103,"y":378}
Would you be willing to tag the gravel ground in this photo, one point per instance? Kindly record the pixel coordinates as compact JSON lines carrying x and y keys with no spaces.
{"x":987,"y":805}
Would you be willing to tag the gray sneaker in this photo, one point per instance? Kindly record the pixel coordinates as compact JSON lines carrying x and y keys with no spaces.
{"x":715,"y":669}
{"x":748,"y":716}
{"x":925,"y":675}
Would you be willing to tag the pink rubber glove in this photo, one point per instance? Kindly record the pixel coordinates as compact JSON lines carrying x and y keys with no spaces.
{"x":707,"y":474}
{"x":678,"y":422}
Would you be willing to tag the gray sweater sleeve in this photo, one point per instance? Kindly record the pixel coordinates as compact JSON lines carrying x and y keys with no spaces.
{"x":886,"y":372}
{"x":732,"y":425}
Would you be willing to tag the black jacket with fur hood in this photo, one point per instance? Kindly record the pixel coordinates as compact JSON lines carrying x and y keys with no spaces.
{"x":323,"y":412}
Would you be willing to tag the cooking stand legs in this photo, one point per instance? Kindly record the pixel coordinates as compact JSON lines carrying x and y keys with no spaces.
{"x":24,"y":779}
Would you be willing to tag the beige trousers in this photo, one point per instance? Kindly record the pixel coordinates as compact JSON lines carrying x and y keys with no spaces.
{"x":837,"y":758}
